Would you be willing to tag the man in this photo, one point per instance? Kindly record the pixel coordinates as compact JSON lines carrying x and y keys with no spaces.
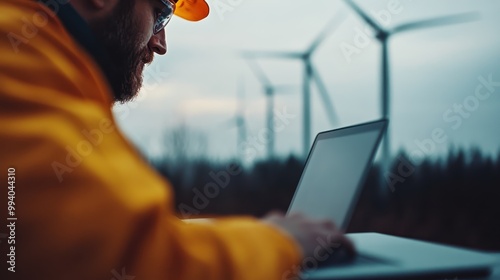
{"x":81,"y":202}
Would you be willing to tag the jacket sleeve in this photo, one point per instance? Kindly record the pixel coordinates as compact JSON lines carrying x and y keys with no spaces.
{"x":87,"y":205}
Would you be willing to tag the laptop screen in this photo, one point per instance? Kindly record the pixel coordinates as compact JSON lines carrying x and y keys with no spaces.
{"x":334,"y":172}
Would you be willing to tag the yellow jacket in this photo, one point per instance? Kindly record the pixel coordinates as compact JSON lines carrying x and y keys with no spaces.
{"x":87,"y":205}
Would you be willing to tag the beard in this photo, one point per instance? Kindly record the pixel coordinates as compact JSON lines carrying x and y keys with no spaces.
{"x":119,"y":34}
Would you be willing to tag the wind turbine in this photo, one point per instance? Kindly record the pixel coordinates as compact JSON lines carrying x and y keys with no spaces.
{"x":269,"y":90}
{"x":383,"y":35}
{"x":238,"y":119}
{"x":310,"y":75}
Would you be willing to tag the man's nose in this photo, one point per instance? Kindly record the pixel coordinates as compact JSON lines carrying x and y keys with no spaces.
{"x":158,"y":43}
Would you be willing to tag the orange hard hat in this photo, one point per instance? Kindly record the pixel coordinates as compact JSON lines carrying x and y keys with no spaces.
{"x":193,"y":10}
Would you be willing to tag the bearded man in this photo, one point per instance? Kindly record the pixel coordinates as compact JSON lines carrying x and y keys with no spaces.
{"x":82,"y":203}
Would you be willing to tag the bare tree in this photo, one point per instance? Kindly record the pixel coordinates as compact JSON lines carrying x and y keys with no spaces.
{"x":182,"y":147}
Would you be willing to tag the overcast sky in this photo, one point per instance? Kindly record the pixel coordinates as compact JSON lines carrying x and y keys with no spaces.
{"x":432,"y":70}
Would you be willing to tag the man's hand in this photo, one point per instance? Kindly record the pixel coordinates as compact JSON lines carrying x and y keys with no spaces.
{"x":312,"y":235}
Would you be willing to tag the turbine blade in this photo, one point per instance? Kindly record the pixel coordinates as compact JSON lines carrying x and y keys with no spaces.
{"x":327,"y":102}
{"x":259,"y":73}
{"x":272,"y":54}
{"x":364,"y":16}
{"x":332,"y":24}
{"x":440,"y":21}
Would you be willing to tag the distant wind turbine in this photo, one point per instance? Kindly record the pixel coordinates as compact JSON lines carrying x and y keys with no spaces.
{"x":310,"y":75}
{"x":238,"y":119}
{"x":383,"y":36}
{"x":269,"y":90}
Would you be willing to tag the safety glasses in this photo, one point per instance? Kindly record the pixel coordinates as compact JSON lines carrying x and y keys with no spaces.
{"x":164,"y":15}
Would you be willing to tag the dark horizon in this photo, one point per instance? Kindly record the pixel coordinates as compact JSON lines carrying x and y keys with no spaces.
{"x":452,"y":200}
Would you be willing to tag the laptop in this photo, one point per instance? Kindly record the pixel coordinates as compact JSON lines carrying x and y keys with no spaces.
{"x":330,"y":184}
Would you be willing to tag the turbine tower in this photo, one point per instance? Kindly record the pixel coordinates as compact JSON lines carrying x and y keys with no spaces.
{"x":238,"y":119}
{"x":240,"y":115}
{"x":383,"y":35}
{"x":311,"y":76}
